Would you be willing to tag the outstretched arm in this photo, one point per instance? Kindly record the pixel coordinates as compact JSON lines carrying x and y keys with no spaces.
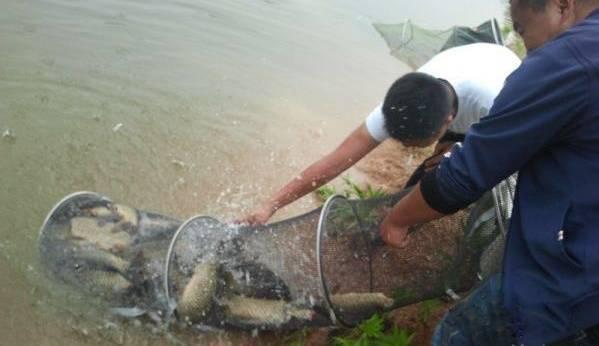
{"x":351,"y":150}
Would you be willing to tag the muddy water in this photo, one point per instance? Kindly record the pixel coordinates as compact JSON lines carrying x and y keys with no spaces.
{"x":181,"y":107}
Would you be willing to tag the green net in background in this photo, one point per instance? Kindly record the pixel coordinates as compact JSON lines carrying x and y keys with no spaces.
{"x":415,"y":45}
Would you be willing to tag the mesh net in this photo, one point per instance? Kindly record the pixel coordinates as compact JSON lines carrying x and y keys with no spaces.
{"x":415,"y":45}
{"x":324,"y":267}
{"x":111,"y":250}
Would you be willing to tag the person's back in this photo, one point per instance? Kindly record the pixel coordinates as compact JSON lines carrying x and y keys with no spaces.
{"x":477,"y":72}
{"x":551,"y":275}
{"x":544,"y":125}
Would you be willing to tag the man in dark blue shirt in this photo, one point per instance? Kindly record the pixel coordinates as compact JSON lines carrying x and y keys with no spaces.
{"x":545,"y":125}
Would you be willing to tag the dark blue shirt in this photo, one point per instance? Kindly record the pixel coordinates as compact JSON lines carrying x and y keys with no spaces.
{"x":544,"y":124}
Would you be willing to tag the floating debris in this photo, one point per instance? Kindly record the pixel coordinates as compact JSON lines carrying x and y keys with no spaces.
{"x":178,"y":163}
{"x":117,"y":127}
{"x":9,"y":135}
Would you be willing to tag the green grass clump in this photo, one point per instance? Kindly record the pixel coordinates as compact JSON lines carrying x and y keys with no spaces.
{"x":323,"y":193}
{"x":372,"y":333}
{"x":351,"y":190}
{"x":362,"y":193}
{"x":427,"y":308}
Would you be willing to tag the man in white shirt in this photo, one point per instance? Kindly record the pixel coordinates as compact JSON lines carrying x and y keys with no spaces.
{"x":438,"y":103}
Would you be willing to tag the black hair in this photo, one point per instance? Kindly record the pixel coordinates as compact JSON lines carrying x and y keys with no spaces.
{"x":416,"y":106}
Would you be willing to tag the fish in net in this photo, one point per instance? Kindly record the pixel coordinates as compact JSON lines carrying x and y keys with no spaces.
{"x":325,"y":267}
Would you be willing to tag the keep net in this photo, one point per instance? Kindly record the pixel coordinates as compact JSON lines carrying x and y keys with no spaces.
{"x":324,"y":267}
{"x":415,"y":45}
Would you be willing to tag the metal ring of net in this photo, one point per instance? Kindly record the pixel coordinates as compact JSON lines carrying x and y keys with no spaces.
{"x":111,"y":250}
{"x":344,"y":249}
{"x":193,"y":244}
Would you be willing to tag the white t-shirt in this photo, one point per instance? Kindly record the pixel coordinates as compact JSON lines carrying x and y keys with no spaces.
{"x":476,"y":71}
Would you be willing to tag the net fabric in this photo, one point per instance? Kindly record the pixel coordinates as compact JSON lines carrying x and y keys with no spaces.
{"x":415,"y":45}
{"x":444,"y":256}
{"x":108,"y":249}
{"x":270,"y":269}
{"x":324,"y":267}
{"x":356,"y":263}
{"x":491,"y":220}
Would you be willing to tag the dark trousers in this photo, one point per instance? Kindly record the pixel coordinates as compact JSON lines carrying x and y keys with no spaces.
{"x":481,"y":320}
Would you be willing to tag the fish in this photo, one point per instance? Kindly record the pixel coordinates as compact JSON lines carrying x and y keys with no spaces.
{"x":252,"y":279}
{"x":104,"y":259}
{"x":127,"y":215}
{"x":197,"y":297}
{"x":358,"y":302}
{"x":263,"y":312}
{"x":100,"y":212}
{"x":104,"y":282}
{"x":99,"y":234}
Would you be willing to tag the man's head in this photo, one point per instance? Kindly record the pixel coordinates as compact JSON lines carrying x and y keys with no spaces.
{"x":539,"y":21}
{"x":418,"y":109}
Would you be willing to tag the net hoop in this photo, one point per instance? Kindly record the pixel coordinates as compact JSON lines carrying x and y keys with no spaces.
{"x":330,"y":202}
{"x":171,"y":247}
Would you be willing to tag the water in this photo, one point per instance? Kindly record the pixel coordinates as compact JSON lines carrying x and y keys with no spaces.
{"x":181,"y":107}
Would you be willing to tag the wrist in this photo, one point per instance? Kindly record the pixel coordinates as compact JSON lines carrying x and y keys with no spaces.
{"x":272,"y":206}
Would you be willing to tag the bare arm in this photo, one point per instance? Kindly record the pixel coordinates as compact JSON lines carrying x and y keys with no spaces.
{"x":351,"y":150}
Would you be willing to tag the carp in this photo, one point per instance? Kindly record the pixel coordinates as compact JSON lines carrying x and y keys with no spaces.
{"x":99,"y":233}
{"x":103,"y":259}
{"x":101,"y":212}
{"x":127,"y":215}
{"x":198,"y":294}
{"x":358,"y":302}
{"x":263,"y":312}
{"x":105,"y":282}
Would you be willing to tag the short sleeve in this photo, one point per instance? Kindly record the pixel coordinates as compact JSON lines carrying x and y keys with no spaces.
{"x":375,"y":124}
{"x":542,"y":101}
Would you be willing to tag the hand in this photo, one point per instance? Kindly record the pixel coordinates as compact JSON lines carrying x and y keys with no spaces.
{"x":258,"y":216}
{"x":441,"y":151}
{"x":394,"y":235}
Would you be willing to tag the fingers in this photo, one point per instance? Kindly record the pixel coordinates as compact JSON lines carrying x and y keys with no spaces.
{"x":396,"y":239}
{"x":256,"y":219}
{"x":247,"y":221}
{"x":395,"y":236}
{"x":433,"y":162}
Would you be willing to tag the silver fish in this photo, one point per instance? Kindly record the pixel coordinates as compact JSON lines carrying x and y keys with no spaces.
{"x":103,"y":258}
{"x":198,"y":294}
{"x":127,"y":215}
{"x":99,"y":234}
{"x":263,"y":312}
{"x":101,"y":212}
